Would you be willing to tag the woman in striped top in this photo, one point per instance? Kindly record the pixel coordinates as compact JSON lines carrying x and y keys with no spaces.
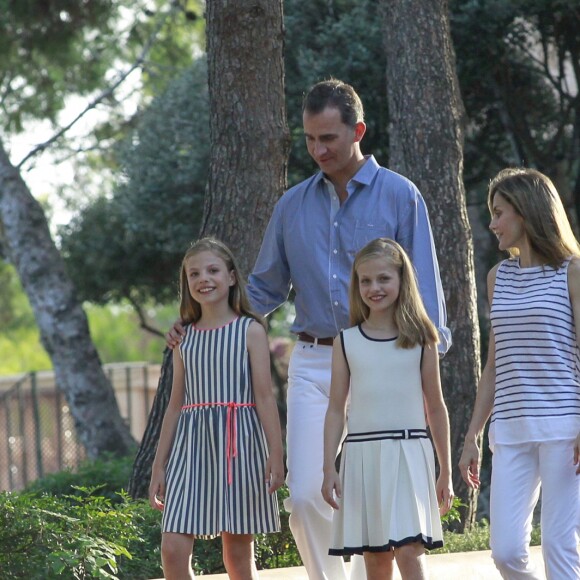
{"x":530,"y":385}
{"x":219,"y":457}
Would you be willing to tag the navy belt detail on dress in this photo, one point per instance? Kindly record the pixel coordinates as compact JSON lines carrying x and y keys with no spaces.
{"x":390,"y":434}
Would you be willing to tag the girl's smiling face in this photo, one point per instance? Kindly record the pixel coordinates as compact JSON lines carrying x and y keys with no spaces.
{"x":379,"y":284}
{"x":507,"y":224}
{"x":208,"y":278}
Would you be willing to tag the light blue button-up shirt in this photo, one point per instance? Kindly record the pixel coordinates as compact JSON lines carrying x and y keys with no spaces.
{"x":311,"y":241}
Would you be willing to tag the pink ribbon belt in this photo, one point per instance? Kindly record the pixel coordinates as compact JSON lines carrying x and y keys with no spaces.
{"x":231,"y":428}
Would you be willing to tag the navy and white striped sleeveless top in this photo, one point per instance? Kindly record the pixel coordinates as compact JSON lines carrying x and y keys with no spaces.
{"x":537,"y":387}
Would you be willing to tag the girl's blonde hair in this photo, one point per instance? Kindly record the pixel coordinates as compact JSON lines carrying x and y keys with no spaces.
{"x":535,"y":198}
{"x":190,"y":309}
{"x":413,"y":323}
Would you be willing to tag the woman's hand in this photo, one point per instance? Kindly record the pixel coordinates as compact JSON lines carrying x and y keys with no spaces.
{"x":469,"y":463}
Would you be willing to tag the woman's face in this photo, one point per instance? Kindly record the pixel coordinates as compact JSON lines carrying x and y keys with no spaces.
{"x":507,"y":224}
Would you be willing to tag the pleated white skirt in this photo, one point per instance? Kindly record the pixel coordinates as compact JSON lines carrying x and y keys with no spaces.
{"x":388,"y":497}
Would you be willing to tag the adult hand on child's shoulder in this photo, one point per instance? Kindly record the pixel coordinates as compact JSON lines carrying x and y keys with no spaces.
{"x":175,"y":335}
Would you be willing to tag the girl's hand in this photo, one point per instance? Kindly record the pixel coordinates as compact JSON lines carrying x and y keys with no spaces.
{"x":469,"y":463}
{"x":445,"y":495}
{"x":577,"y":454}
{"x":157,"y":489}
{"x":330,"y":487}
{"x":274,"y":473}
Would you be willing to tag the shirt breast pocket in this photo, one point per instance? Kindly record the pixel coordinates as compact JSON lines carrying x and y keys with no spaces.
{"x":367,"y":231}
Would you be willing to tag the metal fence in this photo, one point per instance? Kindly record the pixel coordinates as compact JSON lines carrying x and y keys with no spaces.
{"x":37,"y":433}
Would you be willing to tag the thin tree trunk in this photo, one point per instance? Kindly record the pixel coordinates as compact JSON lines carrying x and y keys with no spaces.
{"x":249,"y":151}
{"x":426,"y":145}
{"x":62,"y":322}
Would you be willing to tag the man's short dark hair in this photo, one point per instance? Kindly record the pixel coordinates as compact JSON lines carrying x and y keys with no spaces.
{"x":336,"y":94}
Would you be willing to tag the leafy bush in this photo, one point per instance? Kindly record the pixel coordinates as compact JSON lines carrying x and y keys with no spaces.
{"x":110,"y":474}
{"x":74,"y":537}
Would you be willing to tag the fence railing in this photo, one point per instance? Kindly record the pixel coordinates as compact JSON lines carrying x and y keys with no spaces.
{"x":37,"y":433}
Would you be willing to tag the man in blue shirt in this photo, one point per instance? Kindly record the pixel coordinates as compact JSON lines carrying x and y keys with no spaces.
{"x":309,"y":245}
{"x":315,"y":231}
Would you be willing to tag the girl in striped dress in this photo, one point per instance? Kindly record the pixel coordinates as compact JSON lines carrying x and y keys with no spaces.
{"x":530,"y":385}
{"x":219,"y":457}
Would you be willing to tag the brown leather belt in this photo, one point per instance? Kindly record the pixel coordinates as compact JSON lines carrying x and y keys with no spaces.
{"x":305,"y":337}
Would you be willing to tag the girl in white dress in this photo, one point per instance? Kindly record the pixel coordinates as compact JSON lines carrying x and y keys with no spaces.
{"x":386,"y":499}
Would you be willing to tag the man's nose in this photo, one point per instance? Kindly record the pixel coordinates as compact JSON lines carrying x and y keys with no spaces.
{"x":319,"y":149}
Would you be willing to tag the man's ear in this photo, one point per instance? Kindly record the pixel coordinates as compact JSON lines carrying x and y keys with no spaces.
{"x":359,"y":131}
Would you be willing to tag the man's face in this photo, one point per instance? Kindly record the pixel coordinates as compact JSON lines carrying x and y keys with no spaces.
{"x":331,"y":143}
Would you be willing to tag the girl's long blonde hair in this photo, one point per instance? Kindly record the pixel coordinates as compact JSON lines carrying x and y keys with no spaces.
{"x":534,"y":197}
{"x":190,"y":309}
{"x":413,"y":323}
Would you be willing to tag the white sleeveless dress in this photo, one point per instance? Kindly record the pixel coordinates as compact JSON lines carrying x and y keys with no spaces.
{"x":387,"y":465}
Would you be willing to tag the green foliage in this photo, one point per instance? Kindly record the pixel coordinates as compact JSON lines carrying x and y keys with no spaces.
{"x":516,"y":85}
{"x":115,"y":331}
{"x":47,"y":51}
{"x":453,"y":515}
{"x":110,"y":474}
{"x":278,"y":550}
{"x":98,"y":484}
{"x":342,"y":39}
{"x":131,"y":245}
{"x":50,"y":50}
{"x":477,"y":538}
{"x":73,"y":537}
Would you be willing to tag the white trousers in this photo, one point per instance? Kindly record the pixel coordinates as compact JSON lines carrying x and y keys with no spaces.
{"x":310,"y":516}
{"x":518,"y":472}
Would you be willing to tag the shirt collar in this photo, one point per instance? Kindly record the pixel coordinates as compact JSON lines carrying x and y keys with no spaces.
{"x":364,"y":175}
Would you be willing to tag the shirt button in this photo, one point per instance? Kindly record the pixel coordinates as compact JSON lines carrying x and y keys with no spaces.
{"x":335,"y":303}
{"x":335,"y":224}
{"x":334,"y":276}
{"x":335,"y":251}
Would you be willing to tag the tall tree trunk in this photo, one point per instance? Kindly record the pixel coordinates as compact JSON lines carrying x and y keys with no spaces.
{"x":249,"y":151}
{"x":426,"y":144}
{"x":62,"y":322}
{"x":248,"y":130}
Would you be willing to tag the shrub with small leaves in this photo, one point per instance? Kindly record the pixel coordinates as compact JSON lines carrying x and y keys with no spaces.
{"x":76,"y":537}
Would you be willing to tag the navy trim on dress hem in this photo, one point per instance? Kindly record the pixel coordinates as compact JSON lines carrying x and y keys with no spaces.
{"x":427,"y":542}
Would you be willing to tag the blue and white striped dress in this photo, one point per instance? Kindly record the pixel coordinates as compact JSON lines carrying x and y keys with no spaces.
{"x":537,"y":387}
{"x":216,"y":469}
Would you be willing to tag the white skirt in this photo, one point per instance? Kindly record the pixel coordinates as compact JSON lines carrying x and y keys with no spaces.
{"x":388,"y":497}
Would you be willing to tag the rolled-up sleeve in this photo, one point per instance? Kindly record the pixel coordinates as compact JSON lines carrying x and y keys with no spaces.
{"x":269,"y":283}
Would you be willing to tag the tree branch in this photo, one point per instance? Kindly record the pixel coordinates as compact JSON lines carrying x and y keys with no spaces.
{"x":105,"y":93}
